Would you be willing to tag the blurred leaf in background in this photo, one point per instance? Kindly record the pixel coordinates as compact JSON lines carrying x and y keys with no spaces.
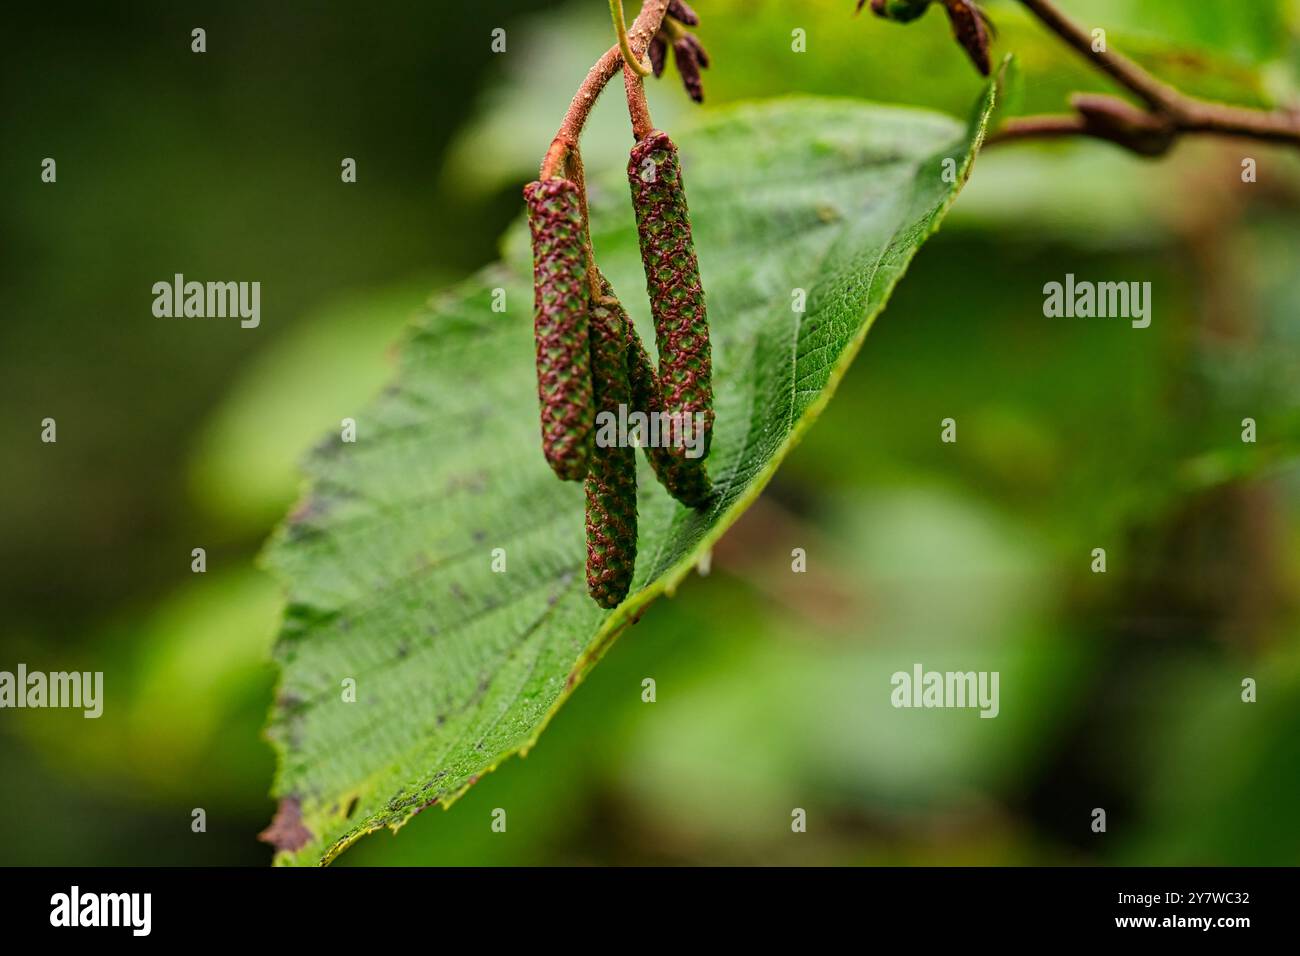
{"x":175,"y":434}
{"x":338,"y":358}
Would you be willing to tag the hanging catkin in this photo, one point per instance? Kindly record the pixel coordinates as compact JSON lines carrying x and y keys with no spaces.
{"x":560,"y":325}
{"x":673,"y":283}
{"x":685,"y":478}
{"x":611,"y":475}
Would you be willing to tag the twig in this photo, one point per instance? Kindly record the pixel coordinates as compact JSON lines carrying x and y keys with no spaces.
{"x":1157,"y":95}
{"x":645,"y":26}
{"x":1101,"y":117}
{"x":1150,"y":132}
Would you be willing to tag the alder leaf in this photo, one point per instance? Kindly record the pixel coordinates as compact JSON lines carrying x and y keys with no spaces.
{"x":392,"y":597}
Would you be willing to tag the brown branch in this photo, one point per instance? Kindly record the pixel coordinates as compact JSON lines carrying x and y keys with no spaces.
{"x":645,"y":26}
{"x":1277,"y":126}
{"x":1151,"y":132}
{"x":1101,"y":117}
{"x":1046,"y":126}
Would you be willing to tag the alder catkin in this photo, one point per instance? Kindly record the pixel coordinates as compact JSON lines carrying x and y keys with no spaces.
{"x":564,"y":387}
{"x":968,"y":27}
{"x":679,"y":10}
{"x":690,"y":57}
{"x":611,"y":475}
{"x":658,"y":53}
{"x":673,"y":282}
{"x":686,"y":479}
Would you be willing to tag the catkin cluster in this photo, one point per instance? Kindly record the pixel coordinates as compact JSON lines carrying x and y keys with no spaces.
{"x":590,"y":359}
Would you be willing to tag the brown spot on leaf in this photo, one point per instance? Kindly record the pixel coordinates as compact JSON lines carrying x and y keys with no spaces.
{"x":475,"y":483}
{"x":306,"y":509}
{"x":286,"y":831}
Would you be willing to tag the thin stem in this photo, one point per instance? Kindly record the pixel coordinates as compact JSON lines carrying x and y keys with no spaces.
{"x":577,"y":173}
{"x":620,"y":27}
{"x":643,"y":28}
{"x":556,"y":156}
{"x":1037,"y":127}
{"x":674,"y":29}
{"x":638,"y":109}
{"x":1101,"y":117}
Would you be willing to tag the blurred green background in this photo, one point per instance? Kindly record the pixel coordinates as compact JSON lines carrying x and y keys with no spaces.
{"x":1119,"y":691}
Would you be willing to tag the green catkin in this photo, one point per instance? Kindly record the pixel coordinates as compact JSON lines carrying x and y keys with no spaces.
{"x":611,"y":476}
{"x":564,"y":387}
{"x":686,"y":479}
{"x":673,"y":282}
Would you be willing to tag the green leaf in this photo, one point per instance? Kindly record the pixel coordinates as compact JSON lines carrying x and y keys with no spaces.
{"x":388,"y":560}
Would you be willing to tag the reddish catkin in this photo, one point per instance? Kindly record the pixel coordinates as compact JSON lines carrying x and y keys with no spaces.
{"x":686,"y":479}
{"x":564,"y":388}
{"x":678,"y":10}
{"x":658,"y":53}
{"x":969,"y":29}
{"x":689,"y":56}
{"x":672,"y":281}
{"x":611,"y":477}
